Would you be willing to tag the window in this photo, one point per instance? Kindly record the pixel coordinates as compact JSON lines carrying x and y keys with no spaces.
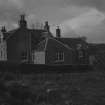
{"x":80,"y":53}
{"x":33,"y":56}
{"x":24,"y":56}
{"x":79,"y":46}
{"x":1,"y":54}
{"x":60,"y":56}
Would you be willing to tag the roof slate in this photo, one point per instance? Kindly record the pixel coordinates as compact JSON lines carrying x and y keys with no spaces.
{"x":43,"y":44}
{"x":71,"y":42}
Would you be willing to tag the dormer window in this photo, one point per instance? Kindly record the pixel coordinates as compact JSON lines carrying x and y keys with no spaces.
{"x":79,"y":46}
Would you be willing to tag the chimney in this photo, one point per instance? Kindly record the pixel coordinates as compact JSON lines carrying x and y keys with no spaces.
{"x":22,"y":22}
{"x":22,"y":17}
{"x":3,"y":29}
{"x":47,"y":27}
{"x":58,"y":32}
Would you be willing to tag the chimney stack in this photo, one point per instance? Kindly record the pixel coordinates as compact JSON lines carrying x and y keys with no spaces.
{"x":3,"y":29}
{"x":47,"y":27}
{"x":58,"y":32}
{"x":22,"y":22}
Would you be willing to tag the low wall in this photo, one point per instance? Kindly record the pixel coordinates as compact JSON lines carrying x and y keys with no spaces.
{"x":32,"y":68}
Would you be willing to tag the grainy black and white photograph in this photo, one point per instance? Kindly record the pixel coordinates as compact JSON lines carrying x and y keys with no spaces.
{"x":52,"y":52}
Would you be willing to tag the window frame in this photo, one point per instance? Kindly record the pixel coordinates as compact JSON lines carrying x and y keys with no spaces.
{"x":24,"y":57}
{"x":60,"y":56}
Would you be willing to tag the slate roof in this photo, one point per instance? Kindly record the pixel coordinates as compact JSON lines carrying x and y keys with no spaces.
{"x":72,"y":42}
{"x":43,"y":44}
{"x":9,"y":34}
{"x":96,"y":48}
{"x":12,"y":32}
{"x":36,"y":32}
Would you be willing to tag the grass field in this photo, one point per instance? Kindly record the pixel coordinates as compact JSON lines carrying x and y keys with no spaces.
{"x":86,"y":88}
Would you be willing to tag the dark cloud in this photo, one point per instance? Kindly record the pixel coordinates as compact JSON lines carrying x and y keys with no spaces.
{"x":56,"y":12}
{"x":9,"y":12}
{"x":99,"y":4}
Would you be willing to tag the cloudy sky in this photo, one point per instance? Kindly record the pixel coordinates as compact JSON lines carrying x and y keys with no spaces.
{"x":76,"y":17}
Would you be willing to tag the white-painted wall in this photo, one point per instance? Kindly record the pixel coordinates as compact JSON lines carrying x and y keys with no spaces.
{"x":3,"y":51}
{"x":38,"y":57}
{"x":3,"y":48}
{"x":91,"y":60}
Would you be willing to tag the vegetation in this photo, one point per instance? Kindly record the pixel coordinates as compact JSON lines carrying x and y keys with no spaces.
{"x":55,"y":89}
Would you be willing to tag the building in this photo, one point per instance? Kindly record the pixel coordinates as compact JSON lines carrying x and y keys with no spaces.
{"x":79,"y":45}
{"x":3,"y":49}
{"x":39,"y":46}
{"x":59,"y":50}
{"x":96,"y":53}
{"x":52,"y":51}
{"x":21,"y":41}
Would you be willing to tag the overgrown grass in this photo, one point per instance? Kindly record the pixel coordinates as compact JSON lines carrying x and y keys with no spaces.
{"x":77,"y":88}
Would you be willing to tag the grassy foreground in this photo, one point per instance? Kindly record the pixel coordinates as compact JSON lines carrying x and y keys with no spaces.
{"x":53,"y":89}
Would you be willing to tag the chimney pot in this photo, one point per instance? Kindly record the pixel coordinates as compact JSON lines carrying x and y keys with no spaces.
{"x":47,"y":27}
{"x":58,"y":32}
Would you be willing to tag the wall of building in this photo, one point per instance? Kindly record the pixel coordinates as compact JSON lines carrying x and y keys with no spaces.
{"x":3,"y":51}
{"x":17,"y":45}
{"x":38,"y":57}
{"x":53,"y":47}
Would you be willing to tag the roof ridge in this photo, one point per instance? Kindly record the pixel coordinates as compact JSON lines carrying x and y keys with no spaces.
{"x":46,"y":44}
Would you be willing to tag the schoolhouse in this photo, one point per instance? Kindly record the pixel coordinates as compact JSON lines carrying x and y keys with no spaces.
{"x":39,"y":46}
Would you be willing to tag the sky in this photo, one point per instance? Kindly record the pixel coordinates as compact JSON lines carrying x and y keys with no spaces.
{"x":75,"y":17}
